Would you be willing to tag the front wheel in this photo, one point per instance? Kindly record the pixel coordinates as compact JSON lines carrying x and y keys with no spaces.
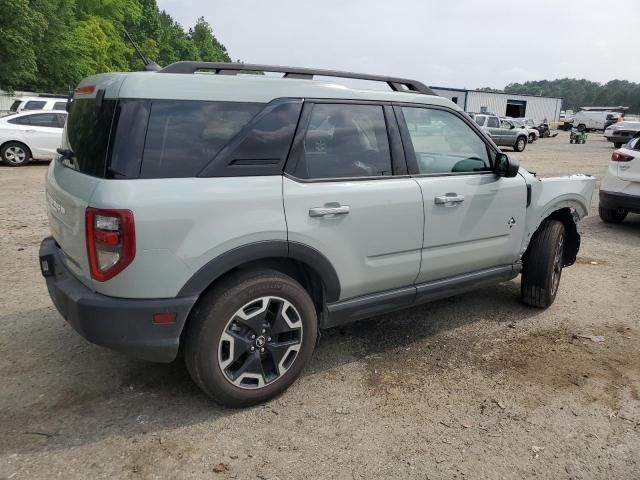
{"x":532,"y":137}
{"x":250,"y":337}
{"x":521,"y":144}
{"x":542,"y":265}
{"x":15,"y":154}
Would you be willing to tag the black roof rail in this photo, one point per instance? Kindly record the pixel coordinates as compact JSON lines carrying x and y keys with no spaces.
{"x":396,"y":84}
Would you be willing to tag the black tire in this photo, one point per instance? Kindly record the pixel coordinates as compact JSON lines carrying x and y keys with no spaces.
{"x":15,"y":154}
{"x":521,"y":144}
{"x":617,"y":144}
{"x":532,"y":137}
{"x":546,"y":134}
{"x":542,"y":265}
{"x":582,"y":127}
{"x":215,"y":315}
{"x":608,"y":215}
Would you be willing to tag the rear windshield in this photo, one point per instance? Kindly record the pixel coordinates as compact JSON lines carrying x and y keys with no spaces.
{"x":151,"y":138}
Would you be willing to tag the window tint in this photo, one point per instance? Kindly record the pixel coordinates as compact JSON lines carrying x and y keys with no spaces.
{"x":444,"y":143}
{"x":60,"y":106}
{"x":345,"y":141}
{"x":34,"y":105}
{"x":128,"y":141}
{"x":493,"y":122}
{"x":480,"y":119}
{"x":263,"y":146}
{"x":44,"y":120}
{"x":184,"y":136}
{"x":21,"y":120}
{"x":88,"y":131}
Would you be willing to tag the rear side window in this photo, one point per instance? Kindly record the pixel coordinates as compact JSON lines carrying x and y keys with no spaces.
{"x":344,"y":140}
{"x":60,"y":106}
{"x":20,"y":120}
{"x":15,"y":106}
{"x":34,"y":105}
{"x":493,"y":122}
{"x":183,"y":136}
{"x":44,"y":120}
{"x":88,"y":130}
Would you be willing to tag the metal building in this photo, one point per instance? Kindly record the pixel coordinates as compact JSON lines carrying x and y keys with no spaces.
{"x":504,"y":104}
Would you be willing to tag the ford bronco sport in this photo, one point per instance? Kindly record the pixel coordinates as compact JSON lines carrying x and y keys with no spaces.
{"x":231,"y":217}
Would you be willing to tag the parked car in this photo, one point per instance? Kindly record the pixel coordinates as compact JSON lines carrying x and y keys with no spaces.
{"x":541,"y":127}
{"x":30,"y":135}
{"x":230,"y":217}
{"x":532,"y":133}
{"x":620,"y":133}
{"x":502,"y":132}
{"x":620,"y":188}
{"x":38,"y":103}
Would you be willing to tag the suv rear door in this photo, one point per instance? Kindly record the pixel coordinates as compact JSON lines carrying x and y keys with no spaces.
{"x":474,"y":220}
{"x":346,"y":194}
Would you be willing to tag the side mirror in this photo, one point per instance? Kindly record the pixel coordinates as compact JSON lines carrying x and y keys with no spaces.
{"x":505,"y":166}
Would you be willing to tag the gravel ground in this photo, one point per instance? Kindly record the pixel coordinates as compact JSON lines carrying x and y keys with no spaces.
{"x":477,"y":386}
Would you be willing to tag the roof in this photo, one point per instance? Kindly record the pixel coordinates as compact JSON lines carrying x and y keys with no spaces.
{"x":491,"y":92}
{"x":241,"y":88}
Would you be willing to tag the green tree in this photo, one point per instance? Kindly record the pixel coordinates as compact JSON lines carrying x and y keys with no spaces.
{"x":209,"y":48}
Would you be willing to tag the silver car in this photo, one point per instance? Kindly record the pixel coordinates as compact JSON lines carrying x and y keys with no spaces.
{"x":230,"y":218}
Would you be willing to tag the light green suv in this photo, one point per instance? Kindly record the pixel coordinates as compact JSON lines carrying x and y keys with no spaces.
{"x":230,"y":218}
{"x":502,"y":132}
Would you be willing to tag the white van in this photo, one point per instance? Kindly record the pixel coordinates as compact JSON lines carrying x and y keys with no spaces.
{"x":586,"y":120}
{"x":38,"y":103}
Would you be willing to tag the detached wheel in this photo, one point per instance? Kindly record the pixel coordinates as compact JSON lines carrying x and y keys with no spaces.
{"x":542,"y":265}
{"x":250,"y":337}
{"x":521,"y":144}
{"x":15,"y":154}
{"x":608,"y":215}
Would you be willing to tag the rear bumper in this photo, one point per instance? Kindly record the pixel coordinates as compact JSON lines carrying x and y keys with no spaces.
{"x":122,"y":324}
{"x":613,"y":201}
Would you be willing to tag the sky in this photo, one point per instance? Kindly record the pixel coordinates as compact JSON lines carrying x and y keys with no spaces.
{"x":452,"y":43}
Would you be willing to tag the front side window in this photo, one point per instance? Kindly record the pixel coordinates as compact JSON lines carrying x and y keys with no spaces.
{"x":444,"y":143}
{"x":480,"y":119}
{"x":34,"y":105}
{"x":344,"y":140}
{"x":505,"y":124}
{"x":184,"y":136}
{"x":493,"y":122}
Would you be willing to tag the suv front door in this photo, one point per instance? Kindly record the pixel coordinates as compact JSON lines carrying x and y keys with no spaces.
{"x":347,"y":195}
{"x":474,"y":219}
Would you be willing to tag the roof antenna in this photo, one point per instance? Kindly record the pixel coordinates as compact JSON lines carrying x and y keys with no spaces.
{"x":149,"y":65}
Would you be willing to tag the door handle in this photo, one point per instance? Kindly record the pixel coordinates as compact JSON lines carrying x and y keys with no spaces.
{"x":329,"y":210}
{"x":449,"y":200}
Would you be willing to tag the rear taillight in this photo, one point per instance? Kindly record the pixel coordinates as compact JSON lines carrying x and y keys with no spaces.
{"x":111,"y":241}
{"x":618,"y":156}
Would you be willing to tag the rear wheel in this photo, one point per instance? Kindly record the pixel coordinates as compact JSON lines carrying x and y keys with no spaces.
{"x":250,"y":337}
{"x":521,"y":144}
{"x":542,"y":265}
{"x":582,"y":127}
{"x":532,"y":137}
{"x":15,"y":154}
{"x":609,"y":215}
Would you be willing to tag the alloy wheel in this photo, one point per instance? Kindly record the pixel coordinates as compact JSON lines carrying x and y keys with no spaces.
{"x":260,"y":342}
{"x":15,"y":155}
{"x":557,"y":265}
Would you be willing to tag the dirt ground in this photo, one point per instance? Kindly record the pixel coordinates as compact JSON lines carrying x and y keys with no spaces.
{"x":473,"y":387}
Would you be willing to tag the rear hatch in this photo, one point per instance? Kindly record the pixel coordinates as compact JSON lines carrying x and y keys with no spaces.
{"x":72,"y":179}
{"x":629,"y":161}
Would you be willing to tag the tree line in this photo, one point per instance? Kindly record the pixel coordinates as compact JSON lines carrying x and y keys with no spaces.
{"x":581,"y":93}
{"x":50,"y":45}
